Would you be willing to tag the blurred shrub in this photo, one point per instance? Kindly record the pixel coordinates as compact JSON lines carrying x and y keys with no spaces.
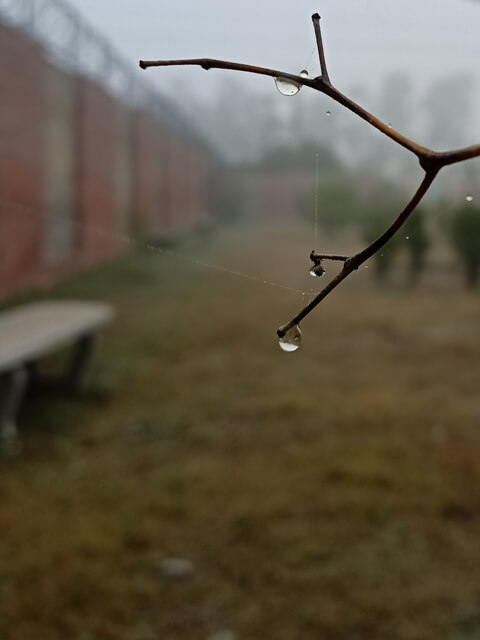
{"x":415,"y":231}
{"x":371,"y":208}
{"x":302,"y":157}
{"x":338,"y":203}
{"x":412,"y":238}
{"x":374,"y":224}
{"x":227,"y":198}
{"x":464,"y":235}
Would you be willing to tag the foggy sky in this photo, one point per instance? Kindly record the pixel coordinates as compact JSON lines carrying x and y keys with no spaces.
{"x":364,"y":39}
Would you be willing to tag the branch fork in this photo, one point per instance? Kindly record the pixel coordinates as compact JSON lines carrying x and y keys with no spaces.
{"x":430,"y":161}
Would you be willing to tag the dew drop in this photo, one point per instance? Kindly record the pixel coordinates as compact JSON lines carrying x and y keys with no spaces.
{"x":407,"y":237}
{"x":366,"y":266}
{"x":317,"y":271}
{"x":469,"y":197}
{"x":291,"y":340}
{"x":389,"y":125}
{"x":287,"y":87}
{"x":304,"y":73}
{"x":328,"y":114}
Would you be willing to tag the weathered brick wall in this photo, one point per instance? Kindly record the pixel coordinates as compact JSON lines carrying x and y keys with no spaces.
{"x":198,"y":202}
{"x":22,"y":117}
{"x":177,"y":187}
{"x":79,"y":171}
{"x":98,"y":215}
{"x":61,"y":229}
{"x":123,"y":167}
{"x":150,"y":151}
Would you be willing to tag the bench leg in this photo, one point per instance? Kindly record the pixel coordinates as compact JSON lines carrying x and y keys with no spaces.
{"x":12,"y":388}
{"x":79,"y":366}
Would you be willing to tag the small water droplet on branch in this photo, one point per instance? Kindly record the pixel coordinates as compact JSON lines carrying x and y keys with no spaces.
{"x":292,"y":340}
{"x":289,"y":87}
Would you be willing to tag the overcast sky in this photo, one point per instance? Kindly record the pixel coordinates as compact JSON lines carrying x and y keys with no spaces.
{"x":424,"y":38}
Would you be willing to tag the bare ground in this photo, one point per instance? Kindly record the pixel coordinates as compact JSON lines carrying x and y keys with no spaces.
{"x":330,"y":493}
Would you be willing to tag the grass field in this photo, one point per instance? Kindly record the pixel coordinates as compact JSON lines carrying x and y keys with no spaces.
{"x":331,"y":493}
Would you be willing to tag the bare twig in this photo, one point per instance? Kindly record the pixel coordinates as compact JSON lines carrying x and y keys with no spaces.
{"x":316,"y":257}
{"x":431,"y":161}
{"x":321,"y":52}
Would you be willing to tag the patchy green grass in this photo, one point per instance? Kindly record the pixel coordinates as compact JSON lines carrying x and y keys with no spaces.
{"x":330,"y":493}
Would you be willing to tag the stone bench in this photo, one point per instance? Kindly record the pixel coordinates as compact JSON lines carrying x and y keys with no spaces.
{"x":32,"y":331}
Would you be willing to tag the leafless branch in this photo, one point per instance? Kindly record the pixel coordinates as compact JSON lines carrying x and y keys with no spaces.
{"x":431,"y":161}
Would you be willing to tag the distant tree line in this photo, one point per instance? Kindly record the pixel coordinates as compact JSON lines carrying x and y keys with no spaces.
{"x":461,"y":228}
{"x":343,"y":202}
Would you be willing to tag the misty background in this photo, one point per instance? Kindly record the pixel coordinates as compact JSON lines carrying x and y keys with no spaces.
{"x":413,"y":64}
{"x":419,"y":72}
{"x":206,"y":484}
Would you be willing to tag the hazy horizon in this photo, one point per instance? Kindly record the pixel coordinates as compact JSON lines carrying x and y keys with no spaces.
{"x":364,"y":40}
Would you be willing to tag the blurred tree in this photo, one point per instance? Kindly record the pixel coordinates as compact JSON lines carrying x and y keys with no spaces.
{"x":464,"y":232}
{"x":301,"y":158}
{"x":450,"y":105}
{"x":395,"y":105}
{"x":227,"y":198}
{"x":416,"y":233}
{"x":242,"y":123}
{"x":374,"y":225}
{"x":355,"y":136}
{"x":395,"y":100}
{"x":338,"y":203}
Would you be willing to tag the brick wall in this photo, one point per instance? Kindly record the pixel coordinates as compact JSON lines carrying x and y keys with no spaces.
{"x":98,"y":214}
{"x":149,"y":175}
{"x":22,"y":140}
{"x":79,"y":171}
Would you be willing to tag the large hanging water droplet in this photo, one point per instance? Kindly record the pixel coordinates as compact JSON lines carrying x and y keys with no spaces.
{"x":291,"y":340}
{"x":287,"y":87}
{"x":317,"y":270}
{"x":469,"y":197}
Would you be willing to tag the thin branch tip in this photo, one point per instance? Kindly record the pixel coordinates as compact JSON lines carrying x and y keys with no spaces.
{"x":142,"y":65}
{"x":321,"y":52}
{"x":317,"y":257}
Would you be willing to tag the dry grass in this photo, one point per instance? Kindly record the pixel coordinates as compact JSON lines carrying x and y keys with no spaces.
{"x":331,"y":493}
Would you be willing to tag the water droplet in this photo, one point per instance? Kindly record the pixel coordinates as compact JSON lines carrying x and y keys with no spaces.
{"x":389,"y":125}
{"x":317,"y":271}
{"x":328,"y":114}
{"x":366,"y":266}
{"x":291,"y":340}
{"x":287,"y":87}
{"x":304,"y":73}
{"x":407,"y":237}
{"x":469,"y":197}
